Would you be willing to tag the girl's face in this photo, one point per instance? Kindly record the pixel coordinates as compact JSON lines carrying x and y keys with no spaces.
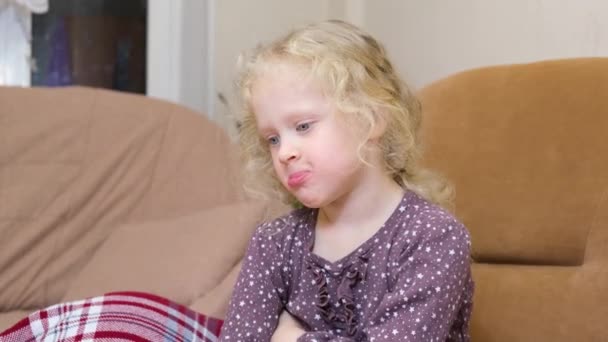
{"x":314,"y":153}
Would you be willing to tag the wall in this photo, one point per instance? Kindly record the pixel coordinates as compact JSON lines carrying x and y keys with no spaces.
{"x":197,"y":42}
{"x":433,"y":38}
{"x":241,"y":25}
{"x":179,"y":45}
{"x":193,"y":45}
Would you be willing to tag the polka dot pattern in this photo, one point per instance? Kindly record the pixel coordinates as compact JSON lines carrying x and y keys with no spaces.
{"x":411,"y":281}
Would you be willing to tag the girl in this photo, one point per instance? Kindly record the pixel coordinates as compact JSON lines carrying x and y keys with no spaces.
{"x":370,"y":255}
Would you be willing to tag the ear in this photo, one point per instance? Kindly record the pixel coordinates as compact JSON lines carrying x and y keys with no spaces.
{"x":380,"y":127}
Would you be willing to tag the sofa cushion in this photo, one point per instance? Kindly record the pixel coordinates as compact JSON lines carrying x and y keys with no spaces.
{"x":215,"y":302}
{"x":180,"y":259}
{"x":76,"y":163}
{"x":525,"y":146}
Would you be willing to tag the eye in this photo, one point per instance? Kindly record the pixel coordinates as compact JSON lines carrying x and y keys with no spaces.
{"x":273,"y":140}
{"x":303,"y":127}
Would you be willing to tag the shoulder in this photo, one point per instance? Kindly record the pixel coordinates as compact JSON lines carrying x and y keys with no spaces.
{"x":278,"y":239}
{"x":287,"y":226}
{"x":423,"y":222}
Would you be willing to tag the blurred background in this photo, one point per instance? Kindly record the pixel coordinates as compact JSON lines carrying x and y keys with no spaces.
{"x":185,"y":50}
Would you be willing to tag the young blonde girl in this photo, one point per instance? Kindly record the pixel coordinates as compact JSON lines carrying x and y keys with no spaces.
{"x":371,"y":255}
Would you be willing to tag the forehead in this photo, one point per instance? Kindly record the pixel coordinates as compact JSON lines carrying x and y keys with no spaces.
{"x":287,"y":90}
{"x":280,"y":74}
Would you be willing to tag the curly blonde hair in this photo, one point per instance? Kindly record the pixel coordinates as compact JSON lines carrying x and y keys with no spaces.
{"x":354,"y":69}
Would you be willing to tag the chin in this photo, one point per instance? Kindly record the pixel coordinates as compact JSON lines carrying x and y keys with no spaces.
{"x":309,"y":202}
{"x":314,"y":202}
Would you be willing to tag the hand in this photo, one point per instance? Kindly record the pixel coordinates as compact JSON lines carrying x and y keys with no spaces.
{"x":288,"y":329}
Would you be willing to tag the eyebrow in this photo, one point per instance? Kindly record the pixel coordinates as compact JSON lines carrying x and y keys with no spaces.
{"x":264,"y":131}
{"x":299,"y":116}
{"x":292,"y":118}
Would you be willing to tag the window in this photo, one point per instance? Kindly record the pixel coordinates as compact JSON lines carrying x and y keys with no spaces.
{"x":98,"y":43}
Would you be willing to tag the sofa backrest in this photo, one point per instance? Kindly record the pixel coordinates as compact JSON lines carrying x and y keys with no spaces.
{"x":75,"y":163}
{"x":526,"y":148}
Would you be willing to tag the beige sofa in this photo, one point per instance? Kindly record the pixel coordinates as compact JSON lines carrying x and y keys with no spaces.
{"x":103,"y":191}
{"x":527,"y":148}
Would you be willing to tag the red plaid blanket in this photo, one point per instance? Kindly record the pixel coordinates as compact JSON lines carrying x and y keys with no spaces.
{"x":117,"y":316}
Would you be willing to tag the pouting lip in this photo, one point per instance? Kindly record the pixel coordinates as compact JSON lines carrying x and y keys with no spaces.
{"x":297,"y":178}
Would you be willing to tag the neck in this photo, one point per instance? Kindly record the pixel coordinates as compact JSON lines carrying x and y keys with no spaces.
{"x":373,"y":200}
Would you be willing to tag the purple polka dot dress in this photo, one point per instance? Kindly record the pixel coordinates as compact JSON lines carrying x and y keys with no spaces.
{"x":410,"y":281}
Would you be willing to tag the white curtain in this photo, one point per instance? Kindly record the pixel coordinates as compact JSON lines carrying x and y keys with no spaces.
{"x":15,"y":39}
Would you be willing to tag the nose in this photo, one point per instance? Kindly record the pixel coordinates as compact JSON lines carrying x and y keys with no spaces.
{"x":288,"y":151}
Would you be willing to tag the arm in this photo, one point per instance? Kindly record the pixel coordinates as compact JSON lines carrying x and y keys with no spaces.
{"x":256,"y":301}
{"x":289,"y":330}
{"x":324,"y":336}
{"x":429,"y":286}
{"x":256,"y":311}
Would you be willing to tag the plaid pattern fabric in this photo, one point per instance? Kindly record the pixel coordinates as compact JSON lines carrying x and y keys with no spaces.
{"x":117,"y":316}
